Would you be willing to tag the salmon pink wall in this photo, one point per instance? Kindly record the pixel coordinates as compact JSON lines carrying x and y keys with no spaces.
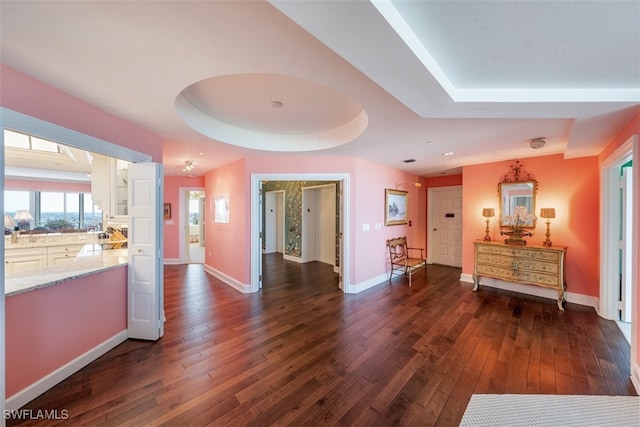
{"x":226,"y":248}
{"x":568,"y":185}
{"x":32,"y":97}
{"x":49,"y":327}
{"x":444,"y":181}
{"x":368,"y":209}
{"x":631,"y":128}
{"x":172,"y":185}
{"x":34,"y":185}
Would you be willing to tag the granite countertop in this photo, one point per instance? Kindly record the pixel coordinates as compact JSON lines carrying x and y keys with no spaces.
{"x":91,"y":259}
{"x":26,"y":241}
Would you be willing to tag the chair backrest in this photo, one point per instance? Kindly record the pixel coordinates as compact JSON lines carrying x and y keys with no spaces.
{"x":397,"y":248}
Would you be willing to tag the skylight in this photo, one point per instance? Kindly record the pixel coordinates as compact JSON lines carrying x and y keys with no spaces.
{"x":27,"y":142}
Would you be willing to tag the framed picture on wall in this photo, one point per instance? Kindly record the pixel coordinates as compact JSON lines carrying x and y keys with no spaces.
{"x":396,"y":207}
{"x":221,"y":208}
{"x":167,"y":210}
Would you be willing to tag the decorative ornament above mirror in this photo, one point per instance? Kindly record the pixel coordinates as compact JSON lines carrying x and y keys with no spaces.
{"x":517,"y":193}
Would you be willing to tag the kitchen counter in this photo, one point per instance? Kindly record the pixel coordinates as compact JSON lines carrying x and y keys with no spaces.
{"x":91,"y":258}
{"x":46,"y":240}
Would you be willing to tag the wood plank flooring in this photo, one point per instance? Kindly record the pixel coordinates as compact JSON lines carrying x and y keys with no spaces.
{"x":302,"y":353}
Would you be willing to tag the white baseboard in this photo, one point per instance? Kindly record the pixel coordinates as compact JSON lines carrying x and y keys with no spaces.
{"x":29,"y":393}
{"x":292,"y":258}
{"x":537,"y":291}
{"x":362,"y":286}
{"x":172,"y":261}
{"x":228,"y":280}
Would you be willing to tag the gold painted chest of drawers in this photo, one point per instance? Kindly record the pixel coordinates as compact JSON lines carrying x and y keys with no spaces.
{"x":531,"y":265}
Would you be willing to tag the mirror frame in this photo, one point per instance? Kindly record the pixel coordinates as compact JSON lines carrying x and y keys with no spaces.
{"x":516,"y":177}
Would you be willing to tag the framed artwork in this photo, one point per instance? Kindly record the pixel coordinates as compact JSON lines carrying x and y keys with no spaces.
{"x":167,"y":210}
{"x":396,"y":207}
{"x":221,"y":208}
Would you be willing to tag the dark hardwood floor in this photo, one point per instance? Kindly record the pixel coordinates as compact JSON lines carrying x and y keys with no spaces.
{"x":302,"y":353}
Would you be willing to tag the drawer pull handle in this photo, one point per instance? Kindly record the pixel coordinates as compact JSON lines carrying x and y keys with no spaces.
{"x":514,"y":265}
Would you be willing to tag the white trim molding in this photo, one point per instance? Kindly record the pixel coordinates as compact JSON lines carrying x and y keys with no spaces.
{"x":367,"y":284}
{"x":29,"y":393}
{"x":228,"y":280}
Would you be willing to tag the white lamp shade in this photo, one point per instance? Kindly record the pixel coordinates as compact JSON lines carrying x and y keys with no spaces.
{"x":8,"y":222}
{"x":23,"y":215}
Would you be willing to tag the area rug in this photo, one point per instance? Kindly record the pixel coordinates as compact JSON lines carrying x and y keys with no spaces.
{"x":551,"y":410}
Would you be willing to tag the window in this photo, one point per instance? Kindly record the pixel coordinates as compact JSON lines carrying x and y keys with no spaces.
{"x":26,"y":142}
{"x":55,"y":211}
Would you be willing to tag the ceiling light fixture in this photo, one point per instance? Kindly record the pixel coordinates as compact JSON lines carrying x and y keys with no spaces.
{"x":188,"y":166}
{"x":537,"y":143}
{"x":448,"y":153}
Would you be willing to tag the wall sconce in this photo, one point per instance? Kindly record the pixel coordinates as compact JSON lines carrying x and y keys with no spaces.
{"x":488,"y":213}
{"x":415,"y":184}
{"x":548,"y":213}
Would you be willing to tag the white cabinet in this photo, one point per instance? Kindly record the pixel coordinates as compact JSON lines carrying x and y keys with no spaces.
{"x":62,"y":254}
{"x":109,"y":183}
{"x":18,"y":261}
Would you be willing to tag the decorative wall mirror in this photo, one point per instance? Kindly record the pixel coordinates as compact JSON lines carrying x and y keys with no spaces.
{"x":517,"y":194}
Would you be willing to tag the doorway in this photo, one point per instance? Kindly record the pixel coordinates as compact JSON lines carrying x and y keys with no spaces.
{"x":445,"y":225}
{"x":292,"y":242}
{"x":619,"y":241}
{"x":319,"y":224}
{"x":191,"y":230}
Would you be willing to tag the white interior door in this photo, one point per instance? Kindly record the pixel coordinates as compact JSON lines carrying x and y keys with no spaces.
{"x":626,"y":245}
{"x":258,"y":259}
{"x":447,"y":226}
{"x":326,"y":224}
{"x":145,"y":276}
{"x":280,"y":222}
{"x":270,"y":222}
{"x":308,"y":225}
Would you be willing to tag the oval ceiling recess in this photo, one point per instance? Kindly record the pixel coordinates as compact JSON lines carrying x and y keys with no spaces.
{"x":271,"y":112}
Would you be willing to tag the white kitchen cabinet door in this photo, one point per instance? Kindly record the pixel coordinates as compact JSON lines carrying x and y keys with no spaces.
{"x":145,"y":239}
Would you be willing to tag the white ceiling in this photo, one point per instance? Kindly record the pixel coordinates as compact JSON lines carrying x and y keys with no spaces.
{"x":384,"y":81}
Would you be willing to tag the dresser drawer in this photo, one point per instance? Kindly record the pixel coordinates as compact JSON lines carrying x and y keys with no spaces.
{"x":515,"y":263}
{"x":538,"y":254}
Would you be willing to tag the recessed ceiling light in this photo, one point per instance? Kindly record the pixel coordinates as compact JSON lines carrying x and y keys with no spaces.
{"x":448,"y":153}
{"x":409,"y":160}
{"x":276,"y":104}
